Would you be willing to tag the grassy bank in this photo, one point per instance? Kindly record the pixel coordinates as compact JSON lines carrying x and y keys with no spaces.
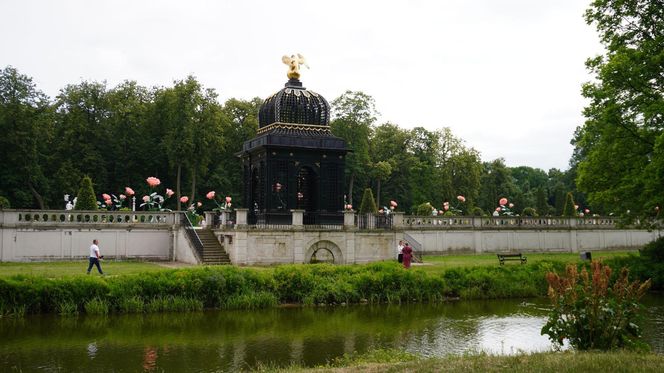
{"x":395,"y":361}
{"x":76,"y":268}
{"x":149,"y":288}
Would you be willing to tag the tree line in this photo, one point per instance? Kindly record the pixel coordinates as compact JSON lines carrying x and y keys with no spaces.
{"x":119,"y":136}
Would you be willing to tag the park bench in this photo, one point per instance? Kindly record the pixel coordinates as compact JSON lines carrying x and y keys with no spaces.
{"x":503,"y":257}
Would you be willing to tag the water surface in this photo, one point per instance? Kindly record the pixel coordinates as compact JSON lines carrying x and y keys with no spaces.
{"x":232,"y":340}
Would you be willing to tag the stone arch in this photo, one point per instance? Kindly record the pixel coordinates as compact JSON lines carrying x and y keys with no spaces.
{"x":324,"y":251}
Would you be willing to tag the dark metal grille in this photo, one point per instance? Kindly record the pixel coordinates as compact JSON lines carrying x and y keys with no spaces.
{"x":295,"y":105}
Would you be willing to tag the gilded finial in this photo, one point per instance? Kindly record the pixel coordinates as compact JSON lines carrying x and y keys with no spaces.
{"x":294,"y":63}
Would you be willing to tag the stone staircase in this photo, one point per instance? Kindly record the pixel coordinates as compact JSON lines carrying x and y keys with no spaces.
{"x":213,"y":252}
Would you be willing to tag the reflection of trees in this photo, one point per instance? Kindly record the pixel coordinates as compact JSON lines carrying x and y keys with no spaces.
{"x":242,"y":339}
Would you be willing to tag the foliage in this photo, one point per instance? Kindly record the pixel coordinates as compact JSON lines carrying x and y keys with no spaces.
{"x":86,"y":199}
{"x":654,"y":251}
{"x":477,"y":211}
{"x":590,"y":313}
{"x":529,"y":211}
{"x":424,"y":209}
{"x":4,"y":203}
{"x":624,"y":113}
{"x":368,"y":205}
{"x":569,"y":210}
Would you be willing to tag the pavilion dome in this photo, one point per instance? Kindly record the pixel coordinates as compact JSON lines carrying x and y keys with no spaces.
{"x":294,"y":104}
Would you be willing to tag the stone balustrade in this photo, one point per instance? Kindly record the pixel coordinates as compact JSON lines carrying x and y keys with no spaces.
{"x":34,"y":218}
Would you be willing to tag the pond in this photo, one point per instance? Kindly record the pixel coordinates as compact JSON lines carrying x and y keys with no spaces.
{"x":234,"y":340}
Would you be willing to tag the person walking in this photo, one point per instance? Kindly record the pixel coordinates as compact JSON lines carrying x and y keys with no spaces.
{"x":95,"y":256}
{"x":407,"y":255}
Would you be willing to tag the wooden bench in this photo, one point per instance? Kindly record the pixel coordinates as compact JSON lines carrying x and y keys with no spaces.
{"x":503,"y":257}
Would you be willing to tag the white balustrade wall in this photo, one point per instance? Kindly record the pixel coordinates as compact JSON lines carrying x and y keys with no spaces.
{"x":36,"y":235}
{"x":32,"y":235}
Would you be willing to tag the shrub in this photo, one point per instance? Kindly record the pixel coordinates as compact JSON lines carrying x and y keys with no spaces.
{"x":424,"y":209}
{"x":86,"y":199}
{"x":368,"y":205}
{"x":591,"y":314}
{"x":569,"y":210}
{"x":654,"y":250}
{"x":4,"y":203}
{"x":529,"y":211}
{"x":477,"y":211}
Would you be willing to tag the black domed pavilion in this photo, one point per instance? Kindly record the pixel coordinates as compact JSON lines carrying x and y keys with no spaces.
{"x":294,"y":162}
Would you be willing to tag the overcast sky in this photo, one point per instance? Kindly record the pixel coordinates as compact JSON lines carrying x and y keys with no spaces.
{"x":504,"y":75}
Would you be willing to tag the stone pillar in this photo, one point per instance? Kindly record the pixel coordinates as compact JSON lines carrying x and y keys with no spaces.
{"x":397,"y":220}
{"x":298,"y":219}
{"x":477,"y":221}
{"x":573,"y":243}
{"x":349,"y":219}
{"x":209,"y":219}
{"x":241,"y":216}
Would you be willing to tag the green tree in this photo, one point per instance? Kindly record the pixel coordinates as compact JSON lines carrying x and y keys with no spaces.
{"x":497,"y":182}
{"x":381,"y":171}
{"x":86,"y":199}
{"x":616,"y":149}
{"x":542,"y":206}
{"x":354,"y":115}
{"x":569,"y":210}
{"x":368,"y":205}
{"x":25,"y":124}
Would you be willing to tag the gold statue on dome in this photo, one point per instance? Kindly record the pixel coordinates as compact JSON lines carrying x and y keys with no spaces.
{"x":294,"y":63}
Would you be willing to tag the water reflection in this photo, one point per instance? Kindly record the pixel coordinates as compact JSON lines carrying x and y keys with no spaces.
{"x":233,"y":340}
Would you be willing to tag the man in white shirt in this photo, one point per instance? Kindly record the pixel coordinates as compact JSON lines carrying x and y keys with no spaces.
{"x":399,"y":251}
{"x":95,"y":256}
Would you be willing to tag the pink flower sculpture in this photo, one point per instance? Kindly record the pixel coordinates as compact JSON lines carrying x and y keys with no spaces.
{"x":146,"y":199}
{"x":446,"y":207}
{"x":108,"y":202}
{"x":129,"y":191}
{"x":169,"y":193}
{"x":586,"y":211}
{"x":576,"y":207}
{"x":122,"y":197}
{"x":393,"y":203}
{"x":210,"y":194}
{"x":105,"y":196}
{"x":199,"y":204}
{"x":184,"y":199}
{"x":511,"y":205}
{"x":153,"y":181}
{"x":446,"y":203}
{"x":461,"y":198}
{"x":498,"y":209}
{"x":349,"y":207}
{"x":503,"y":201}
{"x":228,"y":199}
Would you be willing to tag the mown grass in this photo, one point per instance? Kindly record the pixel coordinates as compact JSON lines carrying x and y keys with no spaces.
{"x":397,"y":361}
{"x":439,"y":263}
{"x":77,"y":268}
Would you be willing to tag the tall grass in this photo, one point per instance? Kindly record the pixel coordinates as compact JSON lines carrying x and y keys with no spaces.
{"x":230,"y":287}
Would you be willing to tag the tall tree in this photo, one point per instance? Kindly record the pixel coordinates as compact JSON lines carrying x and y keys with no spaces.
{"x":25,"y":127}
{"x":616,"y":149}
{"x":354,"y":115}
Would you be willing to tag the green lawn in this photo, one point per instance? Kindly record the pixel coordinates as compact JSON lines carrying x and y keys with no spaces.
{"x":77,"y":268}
{"x":439,"y":263}
{"x":433,"y":264}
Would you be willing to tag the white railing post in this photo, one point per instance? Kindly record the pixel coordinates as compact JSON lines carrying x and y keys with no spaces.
{"x":241,"y":217}
{"x":298,"y":218}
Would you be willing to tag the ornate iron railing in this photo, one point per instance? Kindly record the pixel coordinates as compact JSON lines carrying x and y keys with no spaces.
{"x":192,"y":236}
